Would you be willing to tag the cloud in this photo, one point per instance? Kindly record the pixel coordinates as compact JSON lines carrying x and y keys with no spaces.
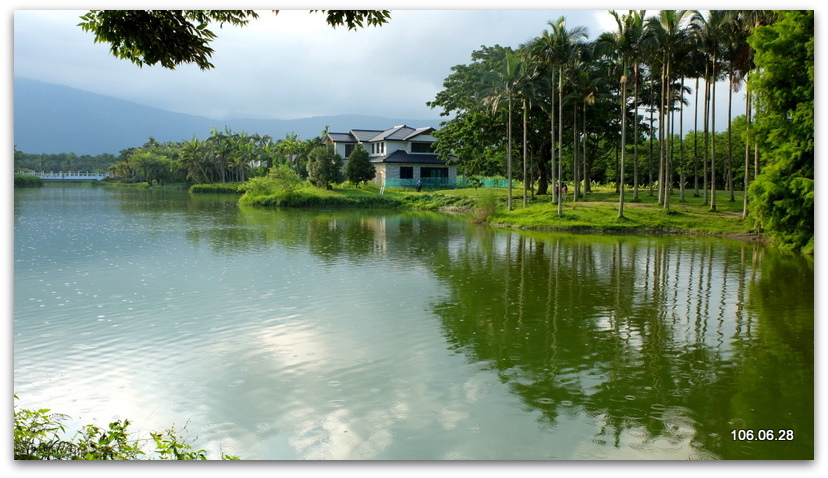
{"x":288,"y":65}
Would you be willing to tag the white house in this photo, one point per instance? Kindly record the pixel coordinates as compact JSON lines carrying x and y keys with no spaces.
{"x":401,"y":155}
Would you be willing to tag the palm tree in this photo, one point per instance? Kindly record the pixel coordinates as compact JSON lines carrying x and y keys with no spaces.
{"x":503,"y":87}
{"x":668,"y":30}
{"x":558,"y":48}
{"x":194,"y":161}
{"x":710,"y":30}
{"x":626,"y":43}
{"x":744,"y":22}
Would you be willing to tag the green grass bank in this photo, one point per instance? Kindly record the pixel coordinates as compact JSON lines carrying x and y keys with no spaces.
{"x":598,"y":213}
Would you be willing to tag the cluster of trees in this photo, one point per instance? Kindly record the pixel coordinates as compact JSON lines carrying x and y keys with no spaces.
{"x":227,"y":156}
{"x":612,"y":109}
{"x":63,"y":161}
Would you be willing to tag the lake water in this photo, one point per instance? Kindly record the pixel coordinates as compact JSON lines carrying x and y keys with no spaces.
{"x":405,"y":336}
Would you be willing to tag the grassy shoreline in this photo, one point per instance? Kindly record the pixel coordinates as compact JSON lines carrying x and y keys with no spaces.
{"x":598,"y":214}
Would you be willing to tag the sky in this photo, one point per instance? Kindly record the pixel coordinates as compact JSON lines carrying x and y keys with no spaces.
{"x":294,"y":65}
{"x":289,"y":65}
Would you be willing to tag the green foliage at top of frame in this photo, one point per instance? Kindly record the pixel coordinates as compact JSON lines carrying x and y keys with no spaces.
{"x":41,"y":435}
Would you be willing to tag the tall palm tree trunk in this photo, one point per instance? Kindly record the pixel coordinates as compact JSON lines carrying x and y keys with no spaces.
{"x":576,"y":179}
{"x":560,"y":140}
{"x":553,"y":172}
{"x":623,"y":144}
{"x":661,"y":139}
{"x":748,"y":140}
{"x":730,"y":137}
{"x":668,"y":103}
{"x":635,"y":134}
{"x":705,"y":190}
{"x":525,"y":156}
{"x":696,"y":142}
{"x":713,"y":140}
{"x":509,"y":157}
{"x":682,"y":176}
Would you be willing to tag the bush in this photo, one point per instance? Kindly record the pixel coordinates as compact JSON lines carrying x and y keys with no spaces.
{"x":359,"y":169}
{"x":310,"y":199}
{"x":324,"y":167}
{"x":27,"y":181}
{"x":217,"y":188}
{"x":486,"y":206}
{"x":40,"y":435}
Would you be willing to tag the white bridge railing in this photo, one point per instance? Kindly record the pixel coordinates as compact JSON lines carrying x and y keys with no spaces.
{"x":65,"y":175}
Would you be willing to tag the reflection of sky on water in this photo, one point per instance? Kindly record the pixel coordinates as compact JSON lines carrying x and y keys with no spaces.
{"x":290,"y":336}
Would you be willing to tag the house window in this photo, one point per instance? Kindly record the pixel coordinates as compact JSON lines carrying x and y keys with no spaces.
{"x":378,"y":148}
{"x":406,"y":172}
{"x":434,"y":173}
{"x":349,"y":148}
{"x":422,"y":148}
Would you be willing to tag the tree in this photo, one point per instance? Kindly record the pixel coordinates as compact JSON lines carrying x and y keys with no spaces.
{"x":627,"y":45}
{"x":670,"y":34}
{"x":474,"y":136}
{"x":173,"y":37}
{"x":324,"y":167}
{"x":359,"y":169}
{"x":711,"y":30}
{"x":782,"y":196}
{"x":558,"y":48}
{"x":503,"y":87}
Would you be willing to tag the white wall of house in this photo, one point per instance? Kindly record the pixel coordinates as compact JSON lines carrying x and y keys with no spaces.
{"x":392,"y":171}
{"x":390,"y":146}
{"x":340,"y":149}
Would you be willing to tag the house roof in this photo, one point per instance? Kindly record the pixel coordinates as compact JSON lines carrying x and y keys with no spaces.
{"x":401,"y":156}
{"x":341,"y":138}
{"x":397,"y":133}
{"x":365,"y":135}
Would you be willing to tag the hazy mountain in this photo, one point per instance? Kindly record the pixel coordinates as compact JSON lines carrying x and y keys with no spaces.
{"x":50,"y":118}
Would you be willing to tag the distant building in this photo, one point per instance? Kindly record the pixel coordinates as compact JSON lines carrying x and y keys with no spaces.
{"x":402,"y":155}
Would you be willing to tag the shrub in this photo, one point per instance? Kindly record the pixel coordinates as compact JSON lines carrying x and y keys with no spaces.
{"x":486,"y":206}
{"x":359,"y":169}
{"x":216,"y":188}
{"x":324,"y":167}
{"x":311,"y":199}
{"x":40,"y":435}
{"x":27,"y":181}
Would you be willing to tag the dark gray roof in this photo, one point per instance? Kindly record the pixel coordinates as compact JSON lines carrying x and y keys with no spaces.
{"x":401,"y":133}
{"x":365,"y":135}
{"x":419,"y":131}
{"x":341,"y":138}
{"x":401,"y":156}
{"x":397,"y":133}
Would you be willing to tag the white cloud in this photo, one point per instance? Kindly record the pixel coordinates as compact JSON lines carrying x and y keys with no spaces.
{"x":287,"y":65}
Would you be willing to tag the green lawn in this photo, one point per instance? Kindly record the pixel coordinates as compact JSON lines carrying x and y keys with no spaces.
{"x":599,"y":213}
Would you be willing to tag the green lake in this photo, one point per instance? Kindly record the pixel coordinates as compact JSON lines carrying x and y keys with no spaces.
{"x":381,"y":335}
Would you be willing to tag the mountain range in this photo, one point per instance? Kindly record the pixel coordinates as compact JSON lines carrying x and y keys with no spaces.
{"x":51,"y":118}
